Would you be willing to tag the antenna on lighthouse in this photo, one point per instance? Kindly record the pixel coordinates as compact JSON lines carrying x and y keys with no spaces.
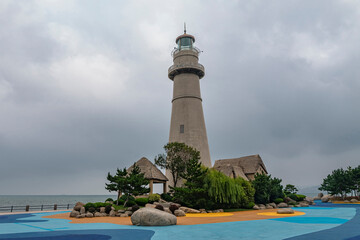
{"x":184,"y":27}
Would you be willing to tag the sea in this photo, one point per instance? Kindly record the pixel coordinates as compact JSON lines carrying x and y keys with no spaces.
{"x":23,"y":200}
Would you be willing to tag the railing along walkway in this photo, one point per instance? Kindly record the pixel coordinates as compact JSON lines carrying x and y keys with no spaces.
{"x":28,"y":208}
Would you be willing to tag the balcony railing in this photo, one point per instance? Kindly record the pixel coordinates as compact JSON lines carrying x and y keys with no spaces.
{"x":194,"y":49}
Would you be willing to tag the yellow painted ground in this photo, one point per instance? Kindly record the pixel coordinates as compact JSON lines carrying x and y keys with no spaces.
{"x":296,"y":213}
{"x":220,"y":214}
{"x":341,"y":202}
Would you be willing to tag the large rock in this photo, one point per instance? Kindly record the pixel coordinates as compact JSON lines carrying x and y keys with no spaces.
{"x":179,"y":213}
{"x":189,"y":210}
{"x":89,"y":215}
{"x":129,"y":213}
{"x":262,"y":206}
{"x":256,"y":207}
{"x":152,"y":217}
{"x":304,"y":204}
{"x":273,"y":205}
{"x":167,"y":210}
{"x":354,"y":200}
{"x":80,"y":216}
{"x":325,"y":199}
{"x":268,"y":206}
{"x":97,"y":214}
{"x":102,"y":209}
{"x":74,"y":213}
{"x":78,"y":206}
{"x":82,"y":210}
{"x":282,"y":205}
{"x":285,"y":211}
{"x":112,"y":213}
{"x":149,"y":205}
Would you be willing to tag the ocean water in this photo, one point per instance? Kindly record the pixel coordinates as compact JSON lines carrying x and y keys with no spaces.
{"x":32,"y":200}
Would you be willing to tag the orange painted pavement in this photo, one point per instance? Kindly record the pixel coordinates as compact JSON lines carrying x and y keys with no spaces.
{"x":235,"y":217}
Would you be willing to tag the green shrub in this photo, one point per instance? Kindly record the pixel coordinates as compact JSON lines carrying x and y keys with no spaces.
{"x":300,"y":197}
{"x":89,"y":205}
{"x":109,"y":200}
{"x":107,"y":209}
{"x":167,"y":197}
{"x":267,"y":189}
{"x":141,"y":201}
{"x":134,"y":208}
{"x":92,"y":209}
{"x":121,"y":202}
{"x":123,"y":197}
{"x":154,"y":198}
{"x":250,"y":205}
{"x":293,"y":196}
{"x":130,"y":203}
{"x":292,"y":203}
{"x":278,"y":200}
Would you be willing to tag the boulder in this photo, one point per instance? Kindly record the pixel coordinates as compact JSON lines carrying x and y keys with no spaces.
{"x":262,"y":206}
{"x":216,"y":211}
{"x":121,"y":211}
{"x":282,"y":205}
{"x":202,"y":210}
{"x":256,"y":207}
{"x":268,"y":206}
{"x":346,"y":201}
{"x":304,"y":204}
{"x":112,"y":213}
{"x":129,"y":209}
{"x":97,"y":214}
{"x":320,"y":195}
{"x":325,"y":199}
{"x":78,"y":206}
{"x":102,"y":209}
{"x":129,"y":213}
{"x":103,"y":214}
{"x":189,"y":210}
{"x":285,"y":211}
{"x":176,"y":204}
{"x":179,"y":213}
{"x":124,"y":215}
{"x":82,"y":210}
{"x":354,"y":200}
{"x":273,"y":204}
{"x":309,"y":199}
{"x":112,"y":208}
{"x":80,"y":216}
{"x":74,"y":213}
{"x":89,"y":215}
{"x":149,"y":205}
{"x":221,"y":210}
{"x":167,"y":210}
{"x":209,"y":211}
{"x":152,"y":217}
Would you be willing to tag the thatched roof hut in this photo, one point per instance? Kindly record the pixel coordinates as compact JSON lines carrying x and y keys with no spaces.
{"x":245,"y":167}
{"x":151,"y":172}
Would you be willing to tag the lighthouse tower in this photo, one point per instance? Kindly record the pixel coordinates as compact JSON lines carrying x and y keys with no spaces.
{"x":187,"y":117}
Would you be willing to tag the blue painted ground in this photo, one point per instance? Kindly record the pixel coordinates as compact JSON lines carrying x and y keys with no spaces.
{"x":320,"y":222}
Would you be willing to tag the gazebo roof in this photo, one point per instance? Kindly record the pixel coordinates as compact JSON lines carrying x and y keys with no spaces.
{"x":249,"y":164}
{"x":151,"y":172}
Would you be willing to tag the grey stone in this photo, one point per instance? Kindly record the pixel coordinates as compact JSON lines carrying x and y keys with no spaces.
{"x":268,"y":206}
{"x":346,"y":201}
{"x":325,"y":199}
{"x":282,"y":205}
{"x":320,"y":195}
{"x":82,"y":210}
{"x":354,"y":200}
{"x":152,"y":217}
{"x":221,"y":210}
{"x":273,"y":205}
{"x":121,"y":211}
{"x":78,"y":206}
{"x":124,"y":215}
{"x":303,"y":204}
{"x":262,"y":206}
{"x":256,"y":207}
{"x":189,"y":210}
{"x":129,"y":209}
{"x":285,"y":211}
{"x":97,"y":214}
{"x":176,"y":204}
{"x":102,"y":209}
{"x":74,"y":213}
{"x":89,"y":215}
{"x":80,"y":216}
{"x":149,"y":205}
{"x":216,"y":211}
{"x":112,"y":213}
{"x":104,"y":214}
{"x":129,"y":213}
{"x":209,"y":211}
{"x":167,"y":210}
{"x":112,"y":208}
{"x":179,"y":213}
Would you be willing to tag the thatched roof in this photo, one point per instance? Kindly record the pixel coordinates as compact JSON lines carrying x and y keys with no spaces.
{"x":247,"y":165}
{"x":231,"y":171}
{"x":151,"y":172}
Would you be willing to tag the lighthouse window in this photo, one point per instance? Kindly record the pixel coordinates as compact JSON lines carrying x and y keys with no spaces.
{"x":181,"y":128}
{"x":185,"y":43}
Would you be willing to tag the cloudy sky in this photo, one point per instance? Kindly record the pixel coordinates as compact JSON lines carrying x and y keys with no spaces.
{"x":84,"y":87}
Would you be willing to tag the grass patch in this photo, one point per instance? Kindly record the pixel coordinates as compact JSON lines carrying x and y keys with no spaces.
{"x":237,"y":209}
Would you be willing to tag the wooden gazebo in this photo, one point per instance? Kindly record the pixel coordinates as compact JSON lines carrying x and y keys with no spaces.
{"x":152,"y":173}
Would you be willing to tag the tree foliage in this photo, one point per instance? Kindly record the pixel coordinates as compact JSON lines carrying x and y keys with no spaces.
{"x":290,"y":189}
{"x":267,"y":189}
{"x":175,"y":159}
{"x":131,"y":184}
{"x":342,"y":182}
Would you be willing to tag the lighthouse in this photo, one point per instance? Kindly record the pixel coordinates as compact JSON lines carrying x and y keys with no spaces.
{"x":187,"y":117}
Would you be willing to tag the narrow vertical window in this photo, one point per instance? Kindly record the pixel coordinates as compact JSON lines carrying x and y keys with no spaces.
{"x":181,"y":128}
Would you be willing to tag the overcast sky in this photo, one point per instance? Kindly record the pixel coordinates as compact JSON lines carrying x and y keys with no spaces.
{"x":84,"y":87}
